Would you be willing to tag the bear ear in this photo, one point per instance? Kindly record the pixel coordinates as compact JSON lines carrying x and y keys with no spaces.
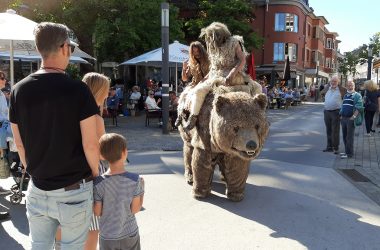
{"x":261,"y":100}
{"x":220,"y":102}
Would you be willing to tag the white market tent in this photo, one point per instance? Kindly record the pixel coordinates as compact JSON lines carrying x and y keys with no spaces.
{"x":178,"y":53}
{"x":16,"y":37}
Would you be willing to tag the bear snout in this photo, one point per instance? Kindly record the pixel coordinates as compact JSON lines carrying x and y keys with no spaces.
{"x":251,"y":145}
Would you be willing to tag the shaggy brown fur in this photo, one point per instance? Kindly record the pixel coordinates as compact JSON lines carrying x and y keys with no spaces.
{"x":230,"y":132}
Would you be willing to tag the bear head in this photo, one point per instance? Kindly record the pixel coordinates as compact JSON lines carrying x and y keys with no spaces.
{"x":238,"y":124}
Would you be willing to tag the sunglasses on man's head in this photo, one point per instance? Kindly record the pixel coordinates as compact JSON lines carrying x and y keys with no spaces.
{"x":72,"y":47}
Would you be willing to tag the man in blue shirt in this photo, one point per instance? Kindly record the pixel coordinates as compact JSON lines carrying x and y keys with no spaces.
{"x":351,"y":107}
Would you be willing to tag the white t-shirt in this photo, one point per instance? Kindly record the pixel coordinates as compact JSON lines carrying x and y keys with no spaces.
{"x":151,"y":103}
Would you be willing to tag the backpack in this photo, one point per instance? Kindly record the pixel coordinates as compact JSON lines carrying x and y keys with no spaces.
{"x":368,"y":104}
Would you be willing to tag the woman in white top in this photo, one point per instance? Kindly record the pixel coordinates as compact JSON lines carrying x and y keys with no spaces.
{"x":135,"y":94}
{"x":151,"y":102}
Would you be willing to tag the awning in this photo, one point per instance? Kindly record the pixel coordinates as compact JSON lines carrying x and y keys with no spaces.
{"x":313,"y":73}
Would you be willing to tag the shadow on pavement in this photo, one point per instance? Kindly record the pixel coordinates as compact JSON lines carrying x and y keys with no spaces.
{"x":314,"y":223}
{"x":19,"y":221}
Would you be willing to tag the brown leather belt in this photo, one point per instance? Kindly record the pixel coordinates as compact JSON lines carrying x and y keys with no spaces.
{"x":77,"y":184}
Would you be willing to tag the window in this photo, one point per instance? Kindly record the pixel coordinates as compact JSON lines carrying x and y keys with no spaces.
{"x":283,"y":50}
{"x":278,"y":53}
{"x":329,"y":44}
{"x":328,"y":64}
{"x":332,"y":64}
{"x":315,"y":34}
{"x":307,"y":55}
{"x":286,"y":22}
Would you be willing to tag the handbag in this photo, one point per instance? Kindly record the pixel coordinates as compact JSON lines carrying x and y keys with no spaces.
{"x":4,"y":168}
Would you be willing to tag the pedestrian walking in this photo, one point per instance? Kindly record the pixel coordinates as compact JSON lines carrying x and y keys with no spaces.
{"x":351,"y":108}
{"x":371,"y":104}
{"x":333,"y":102}
{"x":53,"y":120}
{"x":118,"y":196}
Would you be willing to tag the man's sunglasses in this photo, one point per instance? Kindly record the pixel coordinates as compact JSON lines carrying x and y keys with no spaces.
{"x":72,"y":47}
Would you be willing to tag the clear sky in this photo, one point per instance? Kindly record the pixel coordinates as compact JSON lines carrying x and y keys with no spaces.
{"x":354,"y":21}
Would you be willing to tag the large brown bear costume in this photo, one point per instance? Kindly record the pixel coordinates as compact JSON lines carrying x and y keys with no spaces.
{"x":230,"y":132}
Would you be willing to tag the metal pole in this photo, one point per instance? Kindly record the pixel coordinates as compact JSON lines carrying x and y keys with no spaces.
{"x":11,"y":64}
{"x":165,"y":66}
{"x":369,"y":70}
{"x":316,"y":84}
{"x":176,"y":79}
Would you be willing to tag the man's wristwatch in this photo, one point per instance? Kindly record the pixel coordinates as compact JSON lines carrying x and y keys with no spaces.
{"x":354,"y":116}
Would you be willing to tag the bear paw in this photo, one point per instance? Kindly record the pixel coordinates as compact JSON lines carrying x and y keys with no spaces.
{"x":235,"y":196}
{"x":200,"y":194}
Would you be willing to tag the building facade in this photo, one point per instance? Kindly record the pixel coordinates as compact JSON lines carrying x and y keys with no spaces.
{"x":291,"y":29}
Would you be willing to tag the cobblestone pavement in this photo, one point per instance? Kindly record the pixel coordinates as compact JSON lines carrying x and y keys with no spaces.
{"x":366,"y":161}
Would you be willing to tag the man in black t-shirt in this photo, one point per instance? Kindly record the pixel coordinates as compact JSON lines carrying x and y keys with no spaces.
{"x":53,"y":122}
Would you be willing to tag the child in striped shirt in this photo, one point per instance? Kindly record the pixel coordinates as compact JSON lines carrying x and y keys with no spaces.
{"x":118,"y":196}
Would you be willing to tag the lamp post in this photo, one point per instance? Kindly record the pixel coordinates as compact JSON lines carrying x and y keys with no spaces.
{"x":370,"y":57}
{"x":316,"y":82}
{"x":165,"y":65}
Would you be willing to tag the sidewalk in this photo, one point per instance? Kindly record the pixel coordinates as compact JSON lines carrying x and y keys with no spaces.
{"x":366,"y":162}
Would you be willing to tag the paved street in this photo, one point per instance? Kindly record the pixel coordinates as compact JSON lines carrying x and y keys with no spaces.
{"x":296,"y":196}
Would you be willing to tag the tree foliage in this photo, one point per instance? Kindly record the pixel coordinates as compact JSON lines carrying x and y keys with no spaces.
{"x":348,"y":63}
{"x":117,"y":29}
{"x":236,"y":14}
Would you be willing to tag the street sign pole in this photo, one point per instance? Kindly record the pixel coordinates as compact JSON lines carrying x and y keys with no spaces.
{"x":165,"y":66}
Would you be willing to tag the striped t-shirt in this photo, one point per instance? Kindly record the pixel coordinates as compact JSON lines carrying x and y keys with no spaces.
{"x":348,"y":105}
{"x":116,"y":193}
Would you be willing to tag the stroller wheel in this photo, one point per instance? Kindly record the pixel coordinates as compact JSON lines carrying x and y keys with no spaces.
{"x":15,"y":199}
{"x":15,"y":188}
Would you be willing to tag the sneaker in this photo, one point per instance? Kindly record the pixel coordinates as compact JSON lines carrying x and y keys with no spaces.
{"x":343,"y":156}
{"x":327,"y":150}
{"x":4,"y":191}
{"x":368,"y":135}
{"x":373,"y":131}
{"x":336,"y":151}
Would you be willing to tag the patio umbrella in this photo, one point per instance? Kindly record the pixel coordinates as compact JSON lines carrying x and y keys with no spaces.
{"x":16,"y":37}
{"x":287,"y":71}
{"x":178,"y":53}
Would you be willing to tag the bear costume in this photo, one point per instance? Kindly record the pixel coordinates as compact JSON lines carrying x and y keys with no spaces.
{"x":230,"y":132}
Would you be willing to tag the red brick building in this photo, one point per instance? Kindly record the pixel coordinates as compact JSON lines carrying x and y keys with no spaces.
{"x":291,"y":29}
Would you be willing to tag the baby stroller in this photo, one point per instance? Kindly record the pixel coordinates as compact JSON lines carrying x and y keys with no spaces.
{"x":18,"y":173}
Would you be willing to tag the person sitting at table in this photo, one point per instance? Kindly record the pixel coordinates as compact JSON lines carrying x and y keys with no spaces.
{"x":135,"y":95}
{"x":150,"y":102}
{"x":112,"y":101}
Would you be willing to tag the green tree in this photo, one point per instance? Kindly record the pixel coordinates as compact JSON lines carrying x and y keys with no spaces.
{"x":348,"y":63}
{"x":118,"y":29}
{"x":236,"y":14}
{"x":362,"y":51}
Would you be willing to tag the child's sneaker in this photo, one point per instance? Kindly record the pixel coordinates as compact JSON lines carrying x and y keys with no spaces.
{"x":344,"y":156}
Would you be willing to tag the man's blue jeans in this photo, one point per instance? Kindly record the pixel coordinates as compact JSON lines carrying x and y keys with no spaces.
{"x":46,"y":210}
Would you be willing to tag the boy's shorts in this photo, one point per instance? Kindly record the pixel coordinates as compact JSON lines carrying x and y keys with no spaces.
{"x":131,"y":242}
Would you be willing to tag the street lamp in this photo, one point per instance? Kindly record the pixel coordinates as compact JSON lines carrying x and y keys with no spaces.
{"x":316,"y":82}
{"x":370,"y":57}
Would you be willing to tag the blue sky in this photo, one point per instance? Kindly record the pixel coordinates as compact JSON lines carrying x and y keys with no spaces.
{"x":355,"y":21}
